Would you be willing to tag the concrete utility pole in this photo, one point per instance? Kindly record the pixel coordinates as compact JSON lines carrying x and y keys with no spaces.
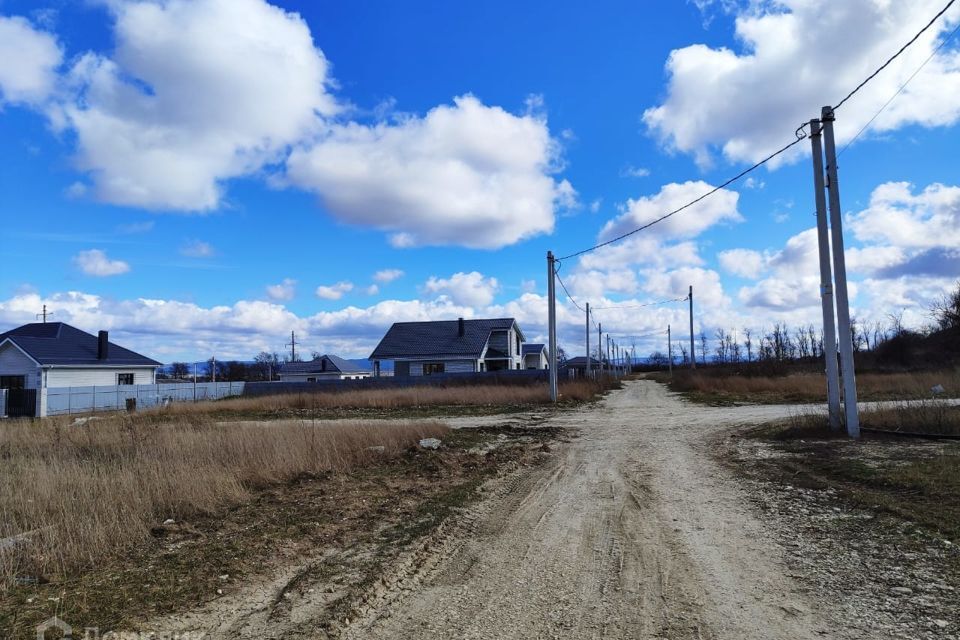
{"x":693,"y":359}
{"x":552,"y":321}
{"x":669,"y":352}
{"x":826,"y":280}
{"x":213,"y":369}
{"x":600,"y":347}
{"x":587,"y":333}
{"x":609,"y":363}
{"x":293,"y":346}
{"x":840,"y":274}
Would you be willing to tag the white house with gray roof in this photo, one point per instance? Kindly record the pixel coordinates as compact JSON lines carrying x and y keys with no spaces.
{"x":326,"y":368}
{"x":42,"y":355}
{"x":451,"y":346}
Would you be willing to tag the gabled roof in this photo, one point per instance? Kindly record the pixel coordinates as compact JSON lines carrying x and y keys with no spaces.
{"x":581,"y":361}
{"x":58,"y":343}
{"x":438,"y":339}
{"x":533,"y":347}
{"x":335,"y":364}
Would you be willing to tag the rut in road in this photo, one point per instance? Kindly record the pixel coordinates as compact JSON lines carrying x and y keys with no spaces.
{"x":630,"y":532}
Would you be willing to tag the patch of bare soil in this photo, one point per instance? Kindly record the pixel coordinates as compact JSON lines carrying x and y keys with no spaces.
{"x":865,"y":524}
{"x":297,"y":557}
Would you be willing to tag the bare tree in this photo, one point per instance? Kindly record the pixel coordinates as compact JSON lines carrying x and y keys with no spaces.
{"x":703,"y":347}
{"x":748,"y":343}
{"x":683,"y":352}
{"x":946,"y":310}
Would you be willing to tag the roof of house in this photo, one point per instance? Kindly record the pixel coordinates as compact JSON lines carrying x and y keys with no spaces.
{"x":533,"y":347}
{"x":581,"y":361}
{"x":438,"y":339}
{"x":58,"y":343}
{"x":335,"y":364}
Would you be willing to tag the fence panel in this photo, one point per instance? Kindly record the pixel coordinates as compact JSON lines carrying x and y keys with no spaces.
{"x":65,"y":400}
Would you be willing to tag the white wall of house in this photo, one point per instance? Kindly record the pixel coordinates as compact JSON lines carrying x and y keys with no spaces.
{"x":90,"y":376}
{"x":13,"y":362}
{"x":535,"y":361}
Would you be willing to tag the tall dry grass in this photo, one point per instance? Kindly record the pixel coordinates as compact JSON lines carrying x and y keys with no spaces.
{"x":811,"y":387}
{"x":82,"y":494}
{"x":386,"y":399}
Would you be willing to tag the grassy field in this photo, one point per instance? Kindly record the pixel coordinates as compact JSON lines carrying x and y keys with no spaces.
{"x":408,"y":402}
{"x":720,"y":387}
{"x":914,"y":479}
{"x":80,"y":495}
{"x":131,"y":521}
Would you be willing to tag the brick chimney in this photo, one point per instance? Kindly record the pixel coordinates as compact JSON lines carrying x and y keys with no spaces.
{"x":460,"y":328}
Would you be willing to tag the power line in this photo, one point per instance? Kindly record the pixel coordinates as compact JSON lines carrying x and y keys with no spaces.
{"x":900,"y":90}
{"x":641,"y":306}
{"x":895,"y":56}
{"x":566,"y":291}
{"x":801,"y":135}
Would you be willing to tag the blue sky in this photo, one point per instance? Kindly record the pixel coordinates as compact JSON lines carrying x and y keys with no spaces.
{"x":201,"y":178}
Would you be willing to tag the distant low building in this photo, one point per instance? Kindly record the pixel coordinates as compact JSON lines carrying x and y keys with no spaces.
{"x":451,"y":346}
{"x":535,"y":356}
{"x":577,"y":367}
{"x":44,"y":355}
{"x":324,"y":369}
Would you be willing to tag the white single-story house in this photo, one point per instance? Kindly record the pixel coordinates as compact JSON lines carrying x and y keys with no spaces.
{"x":323,"y":369}
{"x":44,"y":355}
{"x":535,"y":356}
{"x":451,"y":346}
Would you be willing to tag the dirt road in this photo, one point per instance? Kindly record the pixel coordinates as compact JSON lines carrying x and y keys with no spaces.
{"x":628,"y":531}
{"x":631,"y":532}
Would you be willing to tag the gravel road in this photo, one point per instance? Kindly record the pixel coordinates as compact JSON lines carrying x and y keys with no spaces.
{"x":631,"y":531}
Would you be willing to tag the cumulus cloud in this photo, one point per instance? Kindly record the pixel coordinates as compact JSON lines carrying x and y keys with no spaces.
{"x":283,"y":291}
{"x":334,"y":291}
{"x":469,"y":289}
{"x":745,"y":263}
{"x":464,"y":174}
{"x":194,"y":94}
{"x":197,"y":249}
{"x":720,"y":207}
{"x":899,"y":217}
{"x":386,"y":276}
{"x":793,"y":57}
{"x":94,"y":262}
{"x":372,"y":290}
{"x":783,"y":294}
{"x":28,"y":62}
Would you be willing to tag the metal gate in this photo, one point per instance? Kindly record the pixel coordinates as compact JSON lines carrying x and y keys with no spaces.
{"x":21,"y":403}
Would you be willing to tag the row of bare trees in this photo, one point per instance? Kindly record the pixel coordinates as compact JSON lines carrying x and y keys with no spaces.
{"x":779,"y":344}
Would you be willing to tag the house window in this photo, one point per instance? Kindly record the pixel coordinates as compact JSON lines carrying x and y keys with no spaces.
{"x":518,"y":345}
{"x":124,"y":378}
{"x":430,"y":368}
{"x":13,"y":382}
{"x":311,"y":379}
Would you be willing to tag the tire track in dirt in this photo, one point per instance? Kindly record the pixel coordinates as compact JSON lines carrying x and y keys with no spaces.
{"x":632,"y":532}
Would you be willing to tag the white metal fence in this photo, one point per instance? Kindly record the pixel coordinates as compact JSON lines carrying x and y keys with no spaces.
{"x":63,"y":400}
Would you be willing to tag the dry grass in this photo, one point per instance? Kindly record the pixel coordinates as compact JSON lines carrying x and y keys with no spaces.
{"x":389,"y":399}
{"x":87,"y":493}
{"x":810,"y":387}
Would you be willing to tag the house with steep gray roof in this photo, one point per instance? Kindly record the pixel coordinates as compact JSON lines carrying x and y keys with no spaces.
{"x":46,"y":355}
{"x":451,"y":346}
{"x":326,"y":368}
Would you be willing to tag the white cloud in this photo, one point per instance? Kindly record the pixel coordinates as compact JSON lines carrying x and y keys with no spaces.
{"x":900,"y":218}
{"x":94,"y":262}
{"x":282,"y":291}
{"x":631,"y":171}
{"x":783,"y":294}
{"x":464,"y":174}
{"x":468,"y":289}
{"x":197,"y":249}
{"x":386,"y":276}
{"x":28,"y":62}
{"x":796,"y":55}
{"x":720,"y":207}
{"x":334,"y":291}
{"x":372,"y":290}
{"x":595,"y":205}
{"x":194,"y":94}
{"x":745,"y":263}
